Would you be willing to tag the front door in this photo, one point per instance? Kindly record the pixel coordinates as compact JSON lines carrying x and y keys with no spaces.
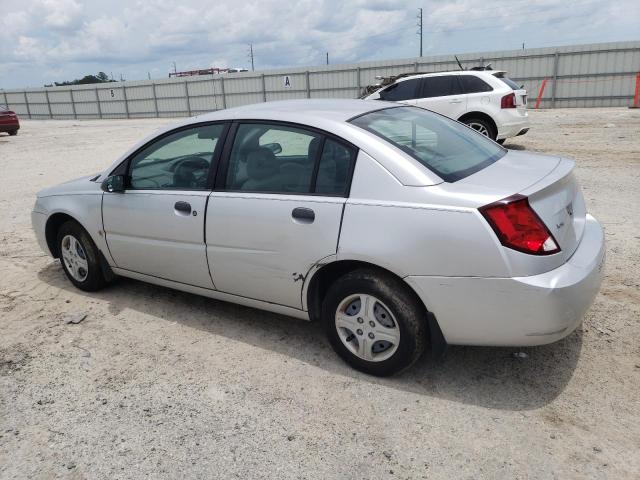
{"x":156,"y":227}
{"x":277,"y":210}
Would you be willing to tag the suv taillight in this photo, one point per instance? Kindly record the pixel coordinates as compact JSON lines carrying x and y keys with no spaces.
{"x":519,"y":227}
{"x":508,"y":101}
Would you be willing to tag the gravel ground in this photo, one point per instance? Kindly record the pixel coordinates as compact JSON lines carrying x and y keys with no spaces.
{"x":162,"y":384}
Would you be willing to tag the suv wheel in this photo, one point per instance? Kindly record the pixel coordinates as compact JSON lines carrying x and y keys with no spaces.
{"x":374,"y":322}
{"x":482,"y":126}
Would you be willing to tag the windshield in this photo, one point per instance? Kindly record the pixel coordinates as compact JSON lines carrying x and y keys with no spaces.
{"x":446,"y":147}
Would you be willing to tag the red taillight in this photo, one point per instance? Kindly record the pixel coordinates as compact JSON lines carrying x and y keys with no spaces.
{"x":518,"y":227}
{"x":508,"y":101}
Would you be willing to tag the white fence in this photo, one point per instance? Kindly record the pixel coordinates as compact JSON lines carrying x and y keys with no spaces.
{"x":576,"y":76}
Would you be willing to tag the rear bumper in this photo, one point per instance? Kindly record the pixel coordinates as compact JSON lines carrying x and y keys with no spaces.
{"x":9,"y":126}
{"x":512,"y":124}
{"x":518,"y":311}
{"x":513,"y":129}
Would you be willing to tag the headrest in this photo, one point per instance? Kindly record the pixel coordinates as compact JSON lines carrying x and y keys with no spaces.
{"x":261,"y":163}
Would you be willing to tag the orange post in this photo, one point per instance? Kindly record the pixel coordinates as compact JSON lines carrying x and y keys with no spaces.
{"x":636,"y":97}
{"x":541,"y":92}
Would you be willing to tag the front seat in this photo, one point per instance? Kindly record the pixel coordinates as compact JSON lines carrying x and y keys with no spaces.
{"x":262,"y":171}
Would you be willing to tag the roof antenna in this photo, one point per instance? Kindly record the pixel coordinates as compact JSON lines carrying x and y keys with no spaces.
{"x":459,"y":64}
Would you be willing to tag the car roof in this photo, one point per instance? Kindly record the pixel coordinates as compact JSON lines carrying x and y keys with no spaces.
{"x":306,"y":111}
{"x":478,"y":73}
{"x":330,"y":115}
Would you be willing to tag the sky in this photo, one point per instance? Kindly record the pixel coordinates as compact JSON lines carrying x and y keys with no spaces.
{"x":42,"y":41}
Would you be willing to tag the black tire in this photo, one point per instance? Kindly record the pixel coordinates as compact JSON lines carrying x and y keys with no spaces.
{"x":501,"y":141}
{"x":409,"y":314}
{"x":475,"y":123}
{"x":95,"y":279}
{"x":13,"y":133}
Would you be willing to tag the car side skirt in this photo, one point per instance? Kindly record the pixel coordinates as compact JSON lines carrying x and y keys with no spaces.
{"x":215,"y":294}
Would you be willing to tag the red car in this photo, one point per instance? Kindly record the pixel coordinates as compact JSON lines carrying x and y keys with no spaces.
{"x":9,"y":121}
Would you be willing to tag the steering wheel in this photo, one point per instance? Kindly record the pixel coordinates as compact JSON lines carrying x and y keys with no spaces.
{"x":184,"y":174}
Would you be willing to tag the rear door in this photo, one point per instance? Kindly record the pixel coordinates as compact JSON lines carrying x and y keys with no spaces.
{"x":477,"y":91}
{"x":442,"y":94}
{"x":156,"y":227}
{"x":276,"y":210}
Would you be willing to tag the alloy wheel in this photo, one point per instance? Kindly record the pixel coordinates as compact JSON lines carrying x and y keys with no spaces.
{"x":480,"y":128}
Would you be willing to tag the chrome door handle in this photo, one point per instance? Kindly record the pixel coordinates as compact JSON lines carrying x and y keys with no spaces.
{"x":455,"y":101}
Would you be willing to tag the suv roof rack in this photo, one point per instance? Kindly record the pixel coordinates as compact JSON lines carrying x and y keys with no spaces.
{"x":385,"y":81}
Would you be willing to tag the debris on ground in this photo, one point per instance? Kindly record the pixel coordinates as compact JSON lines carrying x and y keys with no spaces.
{"x":74,"y":318}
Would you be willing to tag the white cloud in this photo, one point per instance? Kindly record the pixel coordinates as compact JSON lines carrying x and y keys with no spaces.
{"x":39,"y":36}
{"x":60,"y":14}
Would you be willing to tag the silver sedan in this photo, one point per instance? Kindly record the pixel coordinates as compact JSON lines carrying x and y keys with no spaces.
{"x":396,"y":227}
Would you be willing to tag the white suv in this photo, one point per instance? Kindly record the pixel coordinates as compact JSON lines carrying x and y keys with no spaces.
{"x":487,"y":100}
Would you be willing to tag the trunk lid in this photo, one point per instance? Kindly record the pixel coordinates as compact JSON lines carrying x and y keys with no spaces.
{"x":553,"y":193}
{"x":521,"y":100}
{"x":558,"y":201}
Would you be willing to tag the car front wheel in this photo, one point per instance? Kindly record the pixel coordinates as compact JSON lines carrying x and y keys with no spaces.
{"x":79,"y":257}
{"x":374,"y":322}
{"x":13,"y":133}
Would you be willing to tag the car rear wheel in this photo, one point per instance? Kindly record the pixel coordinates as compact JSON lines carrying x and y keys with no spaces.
{"x":13,"y":133}
{"x":374,"y":322}
{"x":482,"y":126}
{"x":79,"y":257}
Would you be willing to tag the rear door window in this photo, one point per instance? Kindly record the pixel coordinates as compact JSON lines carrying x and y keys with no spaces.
{"x":272,"y":158}
{"x":439,"y":86}
{"x":334,"y":168}
{"x":473,"y":84}
{"x":405,"y":90}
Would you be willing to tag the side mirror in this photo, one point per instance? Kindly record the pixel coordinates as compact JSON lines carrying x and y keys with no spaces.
{"x":276,"y":148}
{"x":113,"y":184}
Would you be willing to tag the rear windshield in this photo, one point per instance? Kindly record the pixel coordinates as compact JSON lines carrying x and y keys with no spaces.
{"x":446,"y":147}
{"x":502,"y":76}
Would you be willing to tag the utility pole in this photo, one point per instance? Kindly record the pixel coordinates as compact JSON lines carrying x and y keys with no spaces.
{"x":327,"y":58}
{"x":420,"y":28}
{"x":175,"y":70}
{"x":251,"y":56}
